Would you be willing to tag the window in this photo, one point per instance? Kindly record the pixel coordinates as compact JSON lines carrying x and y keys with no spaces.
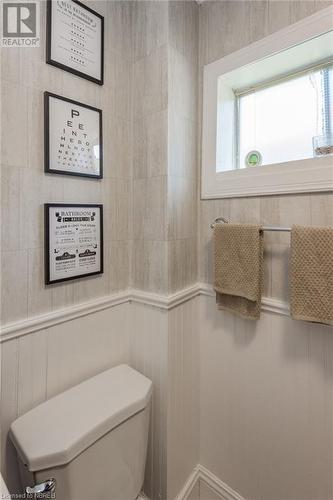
{"x":289,"y":119}
{"x":268,"y":114}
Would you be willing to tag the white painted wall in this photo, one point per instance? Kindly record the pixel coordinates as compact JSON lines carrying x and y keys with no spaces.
{"x":266,"y":395}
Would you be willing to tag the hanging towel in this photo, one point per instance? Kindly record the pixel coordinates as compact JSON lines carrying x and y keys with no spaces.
{"x":311,"y":274}
{"x":239,"y":268}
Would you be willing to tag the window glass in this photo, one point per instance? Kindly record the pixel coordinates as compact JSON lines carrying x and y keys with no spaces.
{"x":286,"y":121}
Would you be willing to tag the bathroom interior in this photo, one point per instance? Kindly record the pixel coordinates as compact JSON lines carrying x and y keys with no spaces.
{"x":185,"y":350}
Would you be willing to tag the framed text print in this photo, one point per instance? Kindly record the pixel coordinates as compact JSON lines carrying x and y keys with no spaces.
{"x":73,"y":241}
{"x":75,"y":39}
{"x":73,"y":137}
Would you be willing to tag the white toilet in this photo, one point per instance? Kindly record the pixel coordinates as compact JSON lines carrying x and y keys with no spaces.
{"x":90,"y":442}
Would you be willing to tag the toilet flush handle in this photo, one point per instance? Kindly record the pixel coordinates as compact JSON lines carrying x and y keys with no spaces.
{"x":47,"y":486}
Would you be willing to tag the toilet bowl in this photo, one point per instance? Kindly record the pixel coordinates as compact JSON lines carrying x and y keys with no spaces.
{"x":90,"y":442}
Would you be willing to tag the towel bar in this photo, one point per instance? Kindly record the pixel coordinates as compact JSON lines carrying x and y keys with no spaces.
{"x":218,"y":220}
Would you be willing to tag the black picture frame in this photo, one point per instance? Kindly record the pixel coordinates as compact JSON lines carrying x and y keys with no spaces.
{"x":53,"y":62}
{"x":47,"y":159}
{"x":47,"y":207}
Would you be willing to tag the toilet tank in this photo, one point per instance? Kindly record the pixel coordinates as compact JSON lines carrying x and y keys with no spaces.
{"x":92,"y":439}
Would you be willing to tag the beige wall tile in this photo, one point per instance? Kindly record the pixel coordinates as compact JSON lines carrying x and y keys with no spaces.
{"x":182,"y":205}
{"x":11,"y":65}
{"x":90,"y":288}
{"x":139,"y":207}
{"x":183,"y":27}
{"x":150,"y":208}
{"x":35,"y":105}
{"x":118,"y":27}
{"x":182,"y":146}
{"x":11,"y":225}
{"x":321,"y":207}
{"x":14,"y":286}
{"x":14,"y":125}
{"x":118,"y":260}
{"x":117,"y":147}
{"x":150,"y":83}
{"x":150,"y":265}
{"x":62,"y":295}
{"x":150,"y":27}
{"x":209,"y":211}
{"x":150,"y":145}
{"x":39,"y":294}
{"x":182,"y":263}
{"x":121,"y":75}
{"x":117,"y":209}
{"x":182,"y":84}
{"x":37,"y":189}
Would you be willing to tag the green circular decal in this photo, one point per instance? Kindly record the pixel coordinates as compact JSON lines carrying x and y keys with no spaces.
{"x":253,"y":159}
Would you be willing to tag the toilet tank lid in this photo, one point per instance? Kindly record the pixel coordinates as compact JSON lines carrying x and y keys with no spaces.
{"x":55,"y":432}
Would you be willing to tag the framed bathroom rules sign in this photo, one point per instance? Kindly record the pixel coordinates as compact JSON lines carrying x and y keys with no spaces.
{"x":73,"y":137}
{"x":75,"y":39}
{"x":73,"y":241}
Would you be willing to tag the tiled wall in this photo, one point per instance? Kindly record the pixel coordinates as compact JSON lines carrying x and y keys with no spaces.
{"x":224,"y":28}
{"x":25,"y":187}
{"x":182,"y":144}
{"x":150,"y":145}
{"x":165,"y":37}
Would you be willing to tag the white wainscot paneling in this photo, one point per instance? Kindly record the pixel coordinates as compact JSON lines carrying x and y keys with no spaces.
{"x":266,"y":404}
{"x":149,"y":355}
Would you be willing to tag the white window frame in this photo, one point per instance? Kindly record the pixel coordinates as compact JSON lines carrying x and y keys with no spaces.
{"x":310,"y":175}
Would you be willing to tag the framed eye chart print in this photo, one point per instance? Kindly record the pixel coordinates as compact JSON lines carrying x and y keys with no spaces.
{"x":73,"y":241}
{"x":73,"y":137}
{"x":75,"y":39}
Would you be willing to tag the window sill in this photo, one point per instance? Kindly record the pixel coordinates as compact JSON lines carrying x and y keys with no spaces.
{"x":312,"y":175}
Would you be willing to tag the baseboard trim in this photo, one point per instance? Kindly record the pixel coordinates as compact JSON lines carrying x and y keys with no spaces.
{"x":165,"y":302}
{"x":221,"y":489}
{"x":201,"y":474}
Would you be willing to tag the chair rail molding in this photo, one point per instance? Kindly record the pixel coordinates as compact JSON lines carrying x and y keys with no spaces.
{"x":165,"y":302}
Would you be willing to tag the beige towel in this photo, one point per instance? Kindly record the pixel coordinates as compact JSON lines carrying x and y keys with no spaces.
{"x":239,"y":268}
{"x":311,"y":274}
